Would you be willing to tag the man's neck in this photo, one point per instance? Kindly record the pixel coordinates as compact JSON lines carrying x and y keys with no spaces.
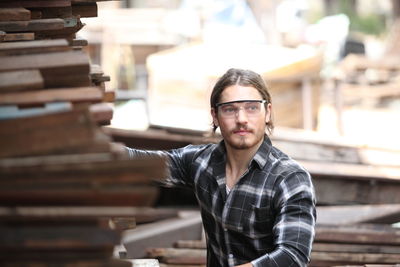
{"x":237,"y":163}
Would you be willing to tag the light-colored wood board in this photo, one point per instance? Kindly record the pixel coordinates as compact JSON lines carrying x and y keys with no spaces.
{"x":38,"y":46}
{"x":21,"y":36}
{"x":58,"y":63}
{"x":79,"y":94}
{"x":13,"y":81}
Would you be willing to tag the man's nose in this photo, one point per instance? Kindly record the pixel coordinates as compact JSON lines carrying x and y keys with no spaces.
{"x":241,"y":115}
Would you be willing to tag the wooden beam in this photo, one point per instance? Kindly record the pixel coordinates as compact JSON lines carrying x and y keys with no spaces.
{"x":32,"y":25}
{"x":351,"y":214}
{"x":21,"y":36}
{"x":14,"y":14}
{"x":85,"y":10}
{"x":35,"y":3}
{"x":38,"y":46}
{"x":13,"y":81}
{"x":38,"y":97}
{"x":59,"y":63}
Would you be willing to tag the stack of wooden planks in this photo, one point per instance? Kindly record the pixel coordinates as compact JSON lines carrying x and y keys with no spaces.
{"x":352,"y":245}
{"x":61,"y":180}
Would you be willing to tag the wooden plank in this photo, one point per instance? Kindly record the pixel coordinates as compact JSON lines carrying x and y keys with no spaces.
{"x":13,"y":112}
{"x":76,"y":261}
{"x":355,"y":191}
{"x":13,"y":81}
{"x":61,"y":213}
{"x":355,"y":248}
{"x":13,"y":14}
{"x":351,"y":214}
{"x":56,"y":237}
{"x":66,"y":80}
{"x":2,"y":36}
{"x":92,"y":195}
{"x":46,"y":133}
{"x":198,"y":244}
{"x":85,"y":10}
{"x":162,"y":233}
{"x":35,"y":3}
{"x":21,"y":36}
{"x":79,"y":42}
{"x":32,"y":25}
{"x":59,"y":63}
{"x":101,"y":113}
{"x":374,"y":235}
{"x":29,"y":98}
{"x":38,"y":46}
{"x":358,"y":258}
{"x":178,"y":256}
{"x":54,"y":12}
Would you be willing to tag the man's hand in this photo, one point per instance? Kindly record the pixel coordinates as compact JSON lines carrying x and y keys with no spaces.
{"x":245,"y":265}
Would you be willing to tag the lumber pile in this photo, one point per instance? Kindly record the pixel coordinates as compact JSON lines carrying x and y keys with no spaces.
{"x":63,"y":184}
{"x":335,"y":245}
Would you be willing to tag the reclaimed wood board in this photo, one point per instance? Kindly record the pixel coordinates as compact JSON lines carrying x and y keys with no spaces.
{"x":38,"y":46}
{"x":14,"y":14}
{"x":14,"y":81}
{"x":85,"y":10}
{"x":38,"y":97}
{"x":35,"y":3}
{"x":32,"y":25}
{"x":21,"y":36}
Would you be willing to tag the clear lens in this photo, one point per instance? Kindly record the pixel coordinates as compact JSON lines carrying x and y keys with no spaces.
{"x":251,"y":108}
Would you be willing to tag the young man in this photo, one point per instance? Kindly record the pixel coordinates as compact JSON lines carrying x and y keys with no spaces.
{"x":257,"y":204}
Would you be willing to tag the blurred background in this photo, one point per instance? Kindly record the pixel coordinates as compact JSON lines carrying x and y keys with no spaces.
{"x":331,"y":65}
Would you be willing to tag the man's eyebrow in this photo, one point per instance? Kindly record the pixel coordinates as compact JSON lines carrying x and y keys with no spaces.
{"x":240,"y":101}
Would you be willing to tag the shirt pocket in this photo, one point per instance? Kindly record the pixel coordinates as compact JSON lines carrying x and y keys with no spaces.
{"x":258,"y":222}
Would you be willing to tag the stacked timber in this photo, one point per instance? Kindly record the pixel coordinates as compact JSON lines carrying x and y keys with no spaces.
{"x":361,"y":245}
{"x":61,"y":180}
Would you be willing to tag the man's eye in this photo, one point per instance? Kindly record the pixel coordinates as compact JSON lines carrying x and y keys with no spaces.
{"x":229,"y":109}
{"x":252,"y":107}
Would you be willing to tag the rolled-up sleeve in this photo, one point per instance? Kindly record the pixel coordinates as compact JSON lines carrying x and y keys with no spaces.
{"x":293,"y":229}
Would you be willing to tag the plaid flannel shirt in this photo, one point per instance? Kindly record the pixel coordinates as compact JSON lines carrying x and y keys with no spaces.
{"x":268,"y":217}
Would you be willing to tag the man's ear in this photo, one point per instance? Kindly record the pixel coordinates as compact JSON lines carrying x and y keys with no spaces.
{"x":268,"y":110}
{"x":214,"y":116}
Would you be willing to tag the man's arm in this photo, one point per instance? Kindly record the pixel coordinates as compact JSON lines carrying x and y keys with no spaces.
{"x":294,"y":203}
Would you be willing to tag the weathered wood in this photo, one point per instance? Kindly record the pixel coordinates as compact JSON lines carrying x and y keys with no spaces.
{"x":358,"y":248}
{"x":56,"y":237}
{"x":355,"y":191}
{"x":55,"y":12}
{"x":76,"y":261}
{"x":358,"y":258}
{"x":92,"y":195}
{"x":79,"y":42}
{"x":162,"y":233}
{"x":198,"y":244}
{"x":85,"y":10}
{"x":35,"y":3}
{"x":14,"y":141}
{"x":13,"y":14}
{"x":59,"y":63}
{"x":13,"y":81}
{"x":178,"y":256}
{"x":24,"y":36}
{"x":350,"y":214}
{"x":32,"y":25}
{"x":39,"y":46}
{"x":142,"y":214}
{"x":375,"y":235}
{"x":75,"y":95}
{"x":2,"y":36}
{"x":101,"y":113}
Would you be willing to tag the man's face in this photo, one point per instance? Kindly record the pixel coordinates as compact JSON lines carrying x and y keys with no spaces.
{"x":242,"y":123}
